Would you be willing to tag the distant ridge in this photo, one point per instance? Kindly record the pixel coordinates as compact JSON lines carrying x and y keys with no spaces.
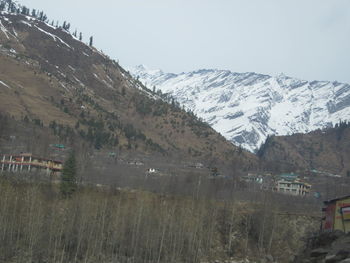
{"x":247,"y":107}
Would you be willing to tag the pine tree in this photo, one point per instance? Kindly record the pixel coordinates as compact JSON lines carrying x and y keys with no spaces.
{"x":9,"y":8}
{"x":41,"y":16}
{"x":91,"y":41}
{"x":33,"y":13}
{"x":81,"y":36}
{"x":68,"y":179}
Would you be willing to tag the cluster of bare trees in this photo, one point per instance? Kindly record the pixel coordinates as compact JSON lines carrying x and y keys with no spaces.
{"x":95,"y":225}
{"x":3,"y":124}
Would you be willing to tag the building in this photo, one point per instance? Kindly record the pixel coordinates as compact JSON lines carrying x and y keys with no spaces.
{"x":199,"y":166}
{"x":293,"y":187}
{"x":29,"y":163}
{"x":289,"y":176}
{"x":253,"y":178}
{"x":337,"y":214}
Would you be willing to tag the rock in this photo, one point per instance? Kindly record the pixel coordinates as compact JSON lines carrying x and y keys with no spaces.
{"x":331,"y":259}
{"x":340,"y":255}
{"x":292,"y":258}
{"x":318,"y":252}
{"x":342,"y":243}
{"x":269,"y":258}
{"x":344,"y":253}
{"x":345,"y":261}
{"x":324,"y":239}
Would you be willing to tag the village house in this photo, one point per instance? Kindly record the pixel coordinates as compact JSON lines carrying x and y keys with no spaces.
{"x":263,"y":181}
{"x":291,"y":184}
{"x":28,"y":163}
{"x":337,"y":215}
{"x":293,"y":187}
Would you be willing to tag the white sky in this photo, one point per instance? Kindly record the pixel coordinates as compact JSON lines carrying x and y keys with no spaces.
{"x":308,"y":39}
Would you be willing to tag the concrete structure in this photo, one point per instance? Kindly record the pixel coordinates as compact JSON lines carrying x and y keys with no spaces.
{"x":293,"y":187}
{"x":152,"y":170}
{"x":337,"y":214}
{"x":29,"y":163}
{"x":262,"y":181}
{"x":199,"y":165}
{"x":253,"y":178}
{"x":289,"y":176}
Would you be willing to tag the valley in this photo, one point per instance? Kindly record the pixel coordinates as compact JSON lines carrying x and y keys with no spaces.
{"x":103,"y":163}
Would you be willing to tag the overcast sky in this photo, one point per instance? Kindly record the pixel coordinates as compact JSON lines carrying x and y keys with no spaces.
{"x":308,"y":39}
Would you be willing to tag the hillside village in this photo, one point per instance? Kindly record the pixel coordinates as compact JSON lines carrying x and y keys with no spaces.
{"x":283,"y":183}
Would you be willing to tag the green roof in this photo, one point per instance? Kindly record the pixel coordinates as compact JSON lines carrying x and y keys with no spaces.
{"x":289,"y":175}
{"x":61,"y":146}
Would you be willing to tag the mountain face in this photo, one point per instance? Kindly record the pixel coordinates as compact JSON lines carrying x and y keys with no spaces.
{"x":247,"y":107}
{"x":323,"y":151}
{"x":49,"y":77}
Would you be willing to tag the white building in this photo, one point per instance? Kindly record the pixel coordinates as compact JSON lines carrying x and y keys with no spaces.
{"x":295,"y":187}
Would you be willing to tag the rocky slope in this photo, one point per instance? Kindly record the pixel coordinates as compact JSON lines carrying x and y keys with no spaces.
{"x":247,"y":107}
{"x":326,"y":247}
{"x":49,"y":77}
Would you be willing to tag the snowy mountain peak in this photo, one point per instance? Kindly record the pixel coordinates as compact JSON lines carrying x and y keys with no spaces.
{"x":247,"y":107}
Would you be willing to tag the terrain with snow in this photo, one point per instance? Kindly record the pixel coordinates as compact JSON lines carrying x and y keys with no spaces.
{"x":247,"y":107}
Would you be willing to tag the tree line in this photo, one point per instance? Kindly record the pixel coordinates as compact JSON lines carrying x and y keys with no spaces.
{"x":12,"y":7}
{"x":110,"y":225}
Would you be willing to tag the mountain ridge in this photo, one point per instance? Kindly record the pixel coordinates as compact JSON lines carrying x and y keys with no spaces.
{"x":247,"y":107}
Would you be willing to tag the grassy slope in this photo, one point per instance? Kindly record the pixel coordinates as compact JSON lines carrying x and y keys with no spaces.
{"x":53,"y":82}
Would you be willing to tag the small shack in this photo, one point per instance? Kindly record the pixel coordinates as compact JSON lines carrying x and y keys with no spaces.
{"x":337,"y":214}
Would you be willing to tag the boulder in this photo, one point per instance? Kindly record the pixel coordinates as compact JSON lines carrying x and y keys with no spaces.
{"x":269,"y":258}
{"x":319,"y":252}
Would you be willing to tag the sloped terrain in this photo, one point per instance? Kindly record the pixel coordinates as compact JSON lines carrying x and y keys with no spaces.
{"x":325,"y":151}
{"x":50,"y":78}
{"x":326,"y":247}
{"x":247,"y":107}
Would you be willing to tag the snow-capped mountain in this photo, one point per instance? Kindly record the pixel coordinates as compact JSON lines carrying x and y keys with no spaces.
{"x":247,"y":107}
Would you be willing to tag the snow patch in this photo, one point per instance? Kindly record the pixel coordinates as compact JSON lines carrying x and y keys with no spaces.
{"x":63,"y":86}
{"x":78,"y":80}
{"x":4,"y":84}
{"x":4,"y":30}
{"x":54,"y":37}
{"x":26,"y":23}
